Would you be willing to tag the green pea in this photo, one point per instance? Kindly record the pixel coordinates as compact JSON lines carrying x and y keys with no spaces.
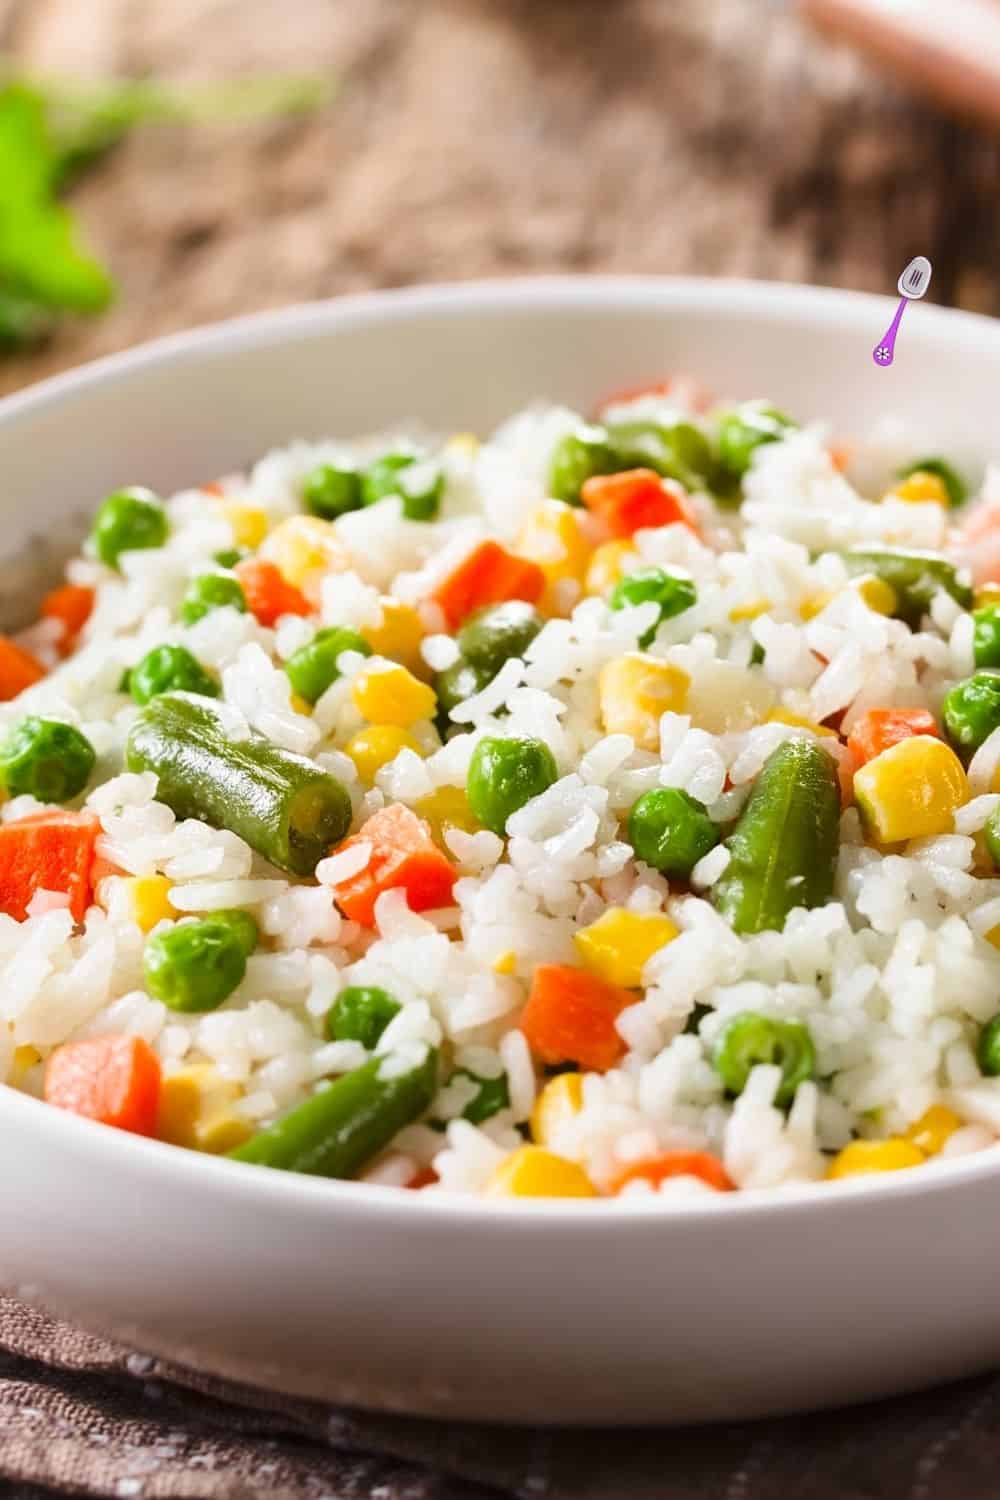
{"x":166,"y":669}
{"x":420,"y":491}
{"x":457,"y":683}
{"x":577,"y":457}
{"x":504,"y":774}
{"x":46,"y":759}
{"x":986,"y":636}
{"x":988,"y":1048}
{"x":242,"y":925}
{"x":195,"y":966}
{"x":498,"y":632}
{"x":958,"y":490}
{"x":671,"y":831}
{"x":676,"y":450}
{"x":757,"y":654}
{"x":493,"y":1096}
{"x":991,"y":834}
{"x":672,"y":590}
{"x":230,"y":556}
{"x":331,"y":491}
{"x":130,"y":520}
{"x":313,"y":667}
{"x":750,"y":1040}
{"x":971,"y":711}
{"x":360,"y":1014}
{"x":749,"y":427}
{"x":211,"y":591}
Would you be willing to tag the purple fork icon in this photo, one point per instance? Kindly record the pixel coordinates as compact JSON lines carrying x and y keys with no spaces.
{"x":912,"y":285}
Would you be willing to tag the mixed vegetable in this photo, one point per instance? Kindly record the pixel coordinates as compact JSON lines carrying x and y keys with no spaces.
{"x":904,"y":769}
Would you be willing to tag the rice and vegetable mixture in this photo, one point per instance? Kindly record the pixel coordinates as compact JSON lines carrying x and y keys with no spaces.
{"x":609,"y":808}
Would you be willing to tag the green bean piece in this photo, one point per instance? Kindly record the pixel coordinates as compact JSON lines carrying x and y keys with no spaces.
{"x":988,"y":1048}
{"x":360,"y":1013}
{"x":671,"y":830}
{"x":579,"y":456}
{"x":958,"y":490}
{"x":168,"y":669}
{"x":784,"y":846}
{"x":915,"y":575}
{"x":676,"y":450}
{"x":313,"y":668}
{"x":749,"y":1040}
{"x":670,"y":589}
{"x":46,"y":759}
{"x":494,"y":634}
{"x":194,"y":966}
{"x":130,"y":520}
{"x":743,"y":431}
{"x":492,"y":1097}
{"x":281,"y":804}
{"x":504,"y":774}
{"x":971,"y":711}
{"x":330,"y":491}
{"x":340,"y":1128}
{"x":211,"y":591}
{"x":986,"y":636}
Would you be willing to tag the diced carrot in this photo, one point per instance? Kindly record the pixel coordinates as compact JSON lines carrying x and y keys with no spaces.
{"x":846,"y":766}
{"x":267,"y":592}
{"x":683,"y":388}
{"x":881,"y":728}
{"x":426,"y":1177}
{"x":840,"y":456}
{"x":488,"y":575}
{"x":114,"y":1079}
{"x":656,"y":1169}
{"x":570,"y":1017}
{"x":213,"y":487}
{"x":48,"y":851}
{"x":72,"y":605}
{"x":403,"y":856}
{"x":633,"y":500}
{"x":18,"y":669}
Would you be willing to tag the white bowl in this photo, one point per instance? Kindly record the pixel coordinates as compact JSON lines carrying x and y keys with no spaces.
{"x":554,"y":1312}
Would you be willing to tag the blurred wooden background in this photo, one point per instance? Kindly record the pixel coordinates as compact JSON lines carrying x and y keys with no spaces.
{"x":504,"y":137}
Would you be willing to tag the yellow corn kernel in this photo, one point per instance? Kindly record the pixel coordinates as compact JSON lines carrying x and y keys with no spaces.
{"x":986,"y":593}
{"x":532,"y":1172}
{"x":749,"y":611}
{"x":796,"y":721}
{"x":25,"y":1058}
{"x":447,"y":807}
{"x":398,"y":636}
{"x":880,"y":597}
{"x":920,"y":487}
{"x":505,"y":963}
{"x":911,"y":790}
{"x":608,"y":566}
{"x":934,"y":1129}
{"x":993,"y":936}
{"x":304,"y":549}
{"x":862,"y":1157}
{"x":149,"y":898}
{"x":374,"y":747}
{"x":635,"y":690}
{"x":553,"y":538}
{"x":463,"y":442}
{"x":249,"y":522}
{"x":618,"y":945}
{"x":560,"y":1100}
{"x":196,"y":1110}
{"x":387,"y":693}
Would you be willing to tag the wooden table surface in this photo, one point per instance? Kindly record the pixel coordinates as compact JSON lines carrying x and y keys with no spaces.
{"x":504,"y":137}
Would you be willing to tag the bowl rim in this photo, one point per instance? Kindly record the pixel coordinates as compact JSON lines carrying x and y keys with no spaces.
{"x":755,"y":301}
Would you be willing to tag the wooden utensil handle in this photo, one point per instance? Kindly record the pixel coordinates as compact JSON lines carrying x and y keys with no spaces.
{"x":948,"y":50}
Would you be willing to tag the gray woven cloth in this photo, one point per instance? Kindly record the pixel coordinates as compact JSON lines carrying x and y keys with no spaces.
{"x":81,"y":1416}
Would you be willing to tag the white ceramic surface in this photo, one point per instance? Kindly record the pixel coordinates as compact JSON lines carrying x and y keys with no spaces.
{"x":574,"y":1312}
